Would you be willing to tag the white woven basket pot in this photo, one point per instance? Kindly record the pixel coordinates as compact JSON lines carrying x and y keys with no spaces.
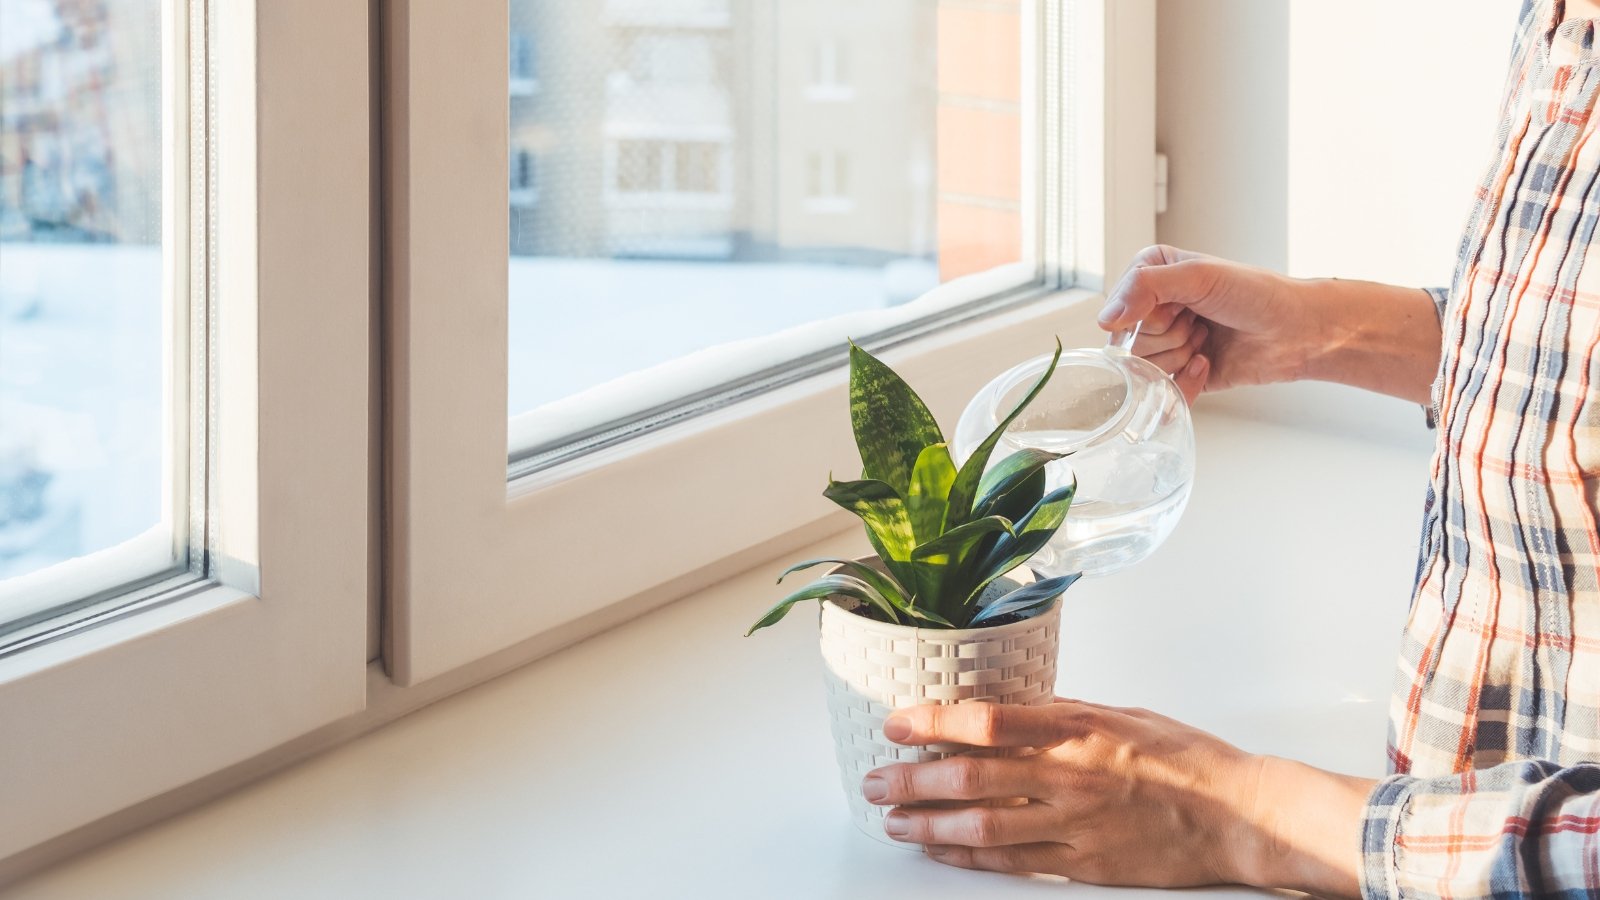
{"x":873,"y":668}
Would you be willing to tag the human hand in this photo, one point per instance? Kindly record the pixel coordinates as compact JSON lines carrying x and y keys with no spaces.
{"x":1117,"y":796}
{"x":1211,"y":323}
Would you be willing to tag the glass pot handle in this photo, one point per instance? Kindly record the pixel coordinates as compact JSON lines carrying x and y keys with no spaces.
{"x":1122,"y":341}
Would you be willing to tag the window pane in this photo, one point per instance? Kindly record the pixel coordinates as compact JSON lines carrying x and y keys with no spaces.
{"x":87,"y":464}
{"x":724,"y":185}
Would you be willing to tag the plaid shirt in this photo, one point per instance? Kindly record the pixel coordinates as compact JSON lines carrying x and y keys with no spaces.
{"x":1495,"y":721}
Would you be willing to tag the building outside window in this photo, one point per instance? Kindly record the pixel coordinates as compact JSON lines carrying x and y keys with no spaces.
{"x":672,"y":150}
{"x":81,"y":285}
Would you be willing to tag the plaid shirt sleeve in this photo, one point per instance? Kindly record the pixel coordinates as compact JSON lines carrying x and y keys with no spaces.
{"x":1495,"y":718}
{"x":1519,"y":829}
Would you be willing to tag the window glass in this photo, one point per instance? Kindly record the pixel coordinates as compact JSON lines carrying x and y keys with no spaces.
{"x":87,"y":464}
{"x":723,"y":185}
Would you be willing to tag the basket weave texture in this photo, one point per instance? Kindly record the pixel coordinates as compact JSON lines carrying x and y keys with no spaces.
{"x":872,"y":668}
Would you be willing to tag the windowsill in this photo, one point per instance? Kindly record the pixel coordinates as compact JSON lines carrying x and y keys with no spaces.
{"x":830,"y":205}
{"x":671,"y":756}
{"x":830,"y":93}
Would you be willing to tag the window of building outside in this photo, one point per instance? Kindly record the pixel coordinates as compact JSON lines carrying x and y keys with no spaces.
{"x":683,"y":159}
{"x":830,"y":73}
{"x":524,"y":177}
{"x":91,"y":308}
{"x":524,"y":67}
{"x":828,"y":182}
{"x":668,"y":167}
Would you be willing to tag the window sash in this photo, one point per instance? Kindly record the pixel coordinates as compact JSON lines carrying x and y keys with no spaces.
{"x":480,"y":562}
{"x":564,"y":431}
{"x":272,"y":645}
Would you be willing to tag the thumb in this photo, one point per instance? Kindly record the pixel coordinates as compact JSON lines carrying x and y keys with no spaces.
{"x":1191,"y":379}
{"x":1142,"y":288}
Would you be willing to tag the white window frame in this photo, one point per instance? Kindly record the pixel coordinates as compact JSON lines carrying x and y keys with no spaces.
{"x":273,"y":644}
{"x":477,"y":563}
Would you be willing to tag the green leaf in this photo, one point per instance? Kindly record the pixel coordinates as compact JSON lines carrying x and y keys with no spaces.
{"x":1030,"y":535}
{"x":1014,"y":504}
{"x":880,"y":506}
{"x":884,"y":584}
{"x":1014,"y":485}
{"x":942,"y":565}
{"x":1025,"y":598}
{"x":931,"y":478}
{"x":888,"y":527}
{"x":968,"y":479}
{"x":823,"y":588}
{"x":891,"y":422}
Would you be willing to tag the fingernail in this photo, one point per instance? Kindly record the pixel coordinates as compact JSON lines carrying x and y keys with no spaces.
{"x":1112,"y":312}
{"x":897,"y":824}
{"x":938,"y":852}
{"x":1196,"y":363}
{"x":874,"y":789}
{"x":897,"y":730}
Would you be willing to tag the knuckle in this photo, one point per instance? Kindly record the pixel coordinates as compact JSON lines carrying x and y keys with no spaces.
{"x":903,"y":783}
{"x":1139,"y":281}
{"x":1008,"y":859}
{"x":991,"y":721}
{"x":966,"y":778}
{"x":981,"y":828}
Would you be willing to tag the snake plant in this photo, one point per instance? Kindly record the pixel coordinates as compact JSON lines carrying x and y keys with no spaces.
{"x":942,"y":534}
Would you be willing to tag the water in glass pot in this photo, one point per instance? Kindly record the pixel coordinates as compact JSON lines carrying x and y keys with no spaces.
{"x":1129,"y":498}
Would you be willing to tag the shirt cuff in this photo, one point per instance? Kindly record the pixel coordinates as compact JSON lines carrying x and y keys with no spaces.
{"x":1380,"y":832}
{"x":1440,"y":297}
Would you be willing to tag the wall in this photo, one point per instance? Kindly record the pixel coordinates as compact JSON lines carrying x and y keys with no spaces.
{"x":1328,"y":139}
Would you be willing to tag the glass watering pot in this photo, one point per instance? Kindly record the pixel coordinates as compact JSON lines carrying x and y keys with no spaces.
{"x":1126,"y":432}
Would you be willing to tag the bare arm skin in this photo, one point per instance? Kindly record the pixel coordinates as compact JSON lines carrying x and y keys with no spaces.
{"x":1216,"y":324}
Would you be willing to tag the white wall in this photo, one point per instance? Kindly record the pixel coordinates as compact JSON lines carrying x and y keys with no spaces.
{"x":1324,"y":138}
{"x":1392,"y":113}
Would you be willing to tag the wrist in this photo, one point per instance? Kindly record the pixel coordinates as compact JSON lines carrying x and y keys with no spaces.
{"x":1301,"y":828}
{"x":1368,"y":335}
{"x":1331,"y":322}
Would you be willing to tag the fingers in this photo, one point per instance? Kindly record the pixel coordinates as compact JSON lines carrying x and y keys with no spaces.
{"x":1172,"y":361}
{"x":1042,"y":858}
{"x":985,"y":724}
{"x":974,"y":826}
{"x":953,"y":778}
{"x":1164,"y":317}
{"x":1186,"y":282}
{"x":1191,"y":380}
{"x":1157,"y":336}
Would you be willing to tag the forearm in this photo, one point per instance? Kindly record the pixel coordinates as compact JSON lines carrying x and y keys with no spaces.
{"x":1374,"y":336}
{"x":1304,"y":831}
